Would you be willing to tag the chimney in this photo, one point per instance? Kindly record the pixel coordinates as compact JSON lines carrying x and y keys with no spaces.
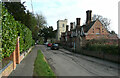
{"x":74,"y":25}
{"x":78,"y":21}
{"x":67,"y":27}
{"x":71,"y":26}
{"x":88,"y":16}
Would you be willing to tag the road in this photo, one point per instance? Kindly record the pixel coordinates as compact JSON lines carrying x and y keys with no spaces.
{"x":65,"y":63}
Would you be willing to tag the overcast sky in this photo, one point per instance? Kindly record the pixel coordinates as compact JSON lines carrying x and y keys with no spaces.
{"x":55,"y":10}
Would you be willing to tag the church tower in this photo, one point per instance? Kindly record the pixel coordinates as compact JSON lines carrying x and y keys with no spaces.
{"x":61,"y":27}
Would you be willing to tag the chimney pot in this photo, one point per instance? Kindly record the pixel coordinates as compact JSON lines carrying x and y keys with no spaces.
{"x":88,"y":16}
{"x":71,"y":26}
{"x":78,"y":21}
{"x":67,"y":27}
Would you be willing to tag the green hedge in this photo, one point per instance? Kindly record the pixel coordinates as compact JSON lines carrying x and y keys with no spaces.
{"x":109,"y":49}
{"x":0,"y":33}
{"x":10,"y":31}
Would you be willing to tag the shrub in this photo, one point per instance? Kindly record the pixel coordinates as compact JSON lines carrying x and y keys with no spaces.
{"x":109,"y":49}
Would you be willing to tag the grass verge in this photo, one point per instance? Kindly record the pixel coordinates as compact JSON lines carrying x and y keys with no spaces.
{"x":41,"y":67}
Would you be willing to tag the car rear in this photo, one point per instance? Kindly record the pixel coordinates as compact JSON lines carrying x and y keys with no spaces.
{"x":55,"y":47}
{"x":49,"y":44}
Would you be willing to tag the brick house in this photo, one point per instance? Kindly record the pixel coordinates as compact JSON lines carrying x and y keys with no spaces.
{"x":80,"y":34}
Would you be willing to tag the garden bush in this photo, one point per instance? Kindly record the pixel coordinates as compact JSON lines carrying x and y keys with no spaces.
{"x":11,"y":29}
{"x":108,"y":49}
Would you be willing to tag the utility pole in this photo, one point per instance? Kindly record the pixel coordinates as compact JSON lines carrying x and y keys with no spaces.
{"x":32,"y":7}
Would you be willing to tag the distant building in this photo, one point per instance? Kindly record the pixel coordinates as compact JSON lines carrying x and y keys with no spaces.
{"x":81,"y":33}
{"x":61,"y":27}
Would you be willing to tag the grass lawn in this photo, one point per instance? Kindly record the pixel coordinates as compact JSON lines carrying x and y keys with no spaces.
{"x":41,"y":67}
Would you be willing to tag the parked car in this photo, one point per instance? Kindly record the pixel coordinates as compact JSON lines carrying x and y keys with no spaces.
{"x":55,"y":47}
{"x":49,"y":44}
{"x":46,"y":43}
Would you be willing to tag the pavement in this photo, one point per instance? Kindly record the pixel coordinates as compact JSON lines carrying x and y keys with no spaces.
{"x":65,"y":63}
{"x":26,"y":67}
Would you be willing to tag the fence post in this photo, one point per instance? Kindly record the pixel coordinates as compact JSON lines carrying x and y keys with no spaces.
{"x":17,"y":52}
{"x":14,"y":60}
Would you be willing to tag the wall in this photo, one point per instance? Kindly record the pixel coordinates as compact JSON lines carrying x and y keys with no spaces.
{"x":97,"y":31}
{"x":22,"y":56}
{"x":7,"y":69}
{"x":16,"y":59}
{"x":10,"y":67}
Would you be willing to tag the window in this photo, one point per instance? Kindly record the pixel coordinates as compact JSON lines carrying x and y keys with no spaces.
{"x":55,"y":44}
{"x":97,"y":30}
{"x":63,"y":25}
{"x":93,"y":30}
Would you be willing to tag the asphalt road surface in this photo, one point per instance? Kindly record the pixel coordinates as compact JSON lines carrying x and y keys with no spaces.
{"x":65,"y":63}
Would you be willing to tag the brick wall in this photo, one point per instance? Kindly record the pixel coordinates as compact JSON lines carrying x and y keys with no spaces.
{"x":16,"y":59}
{"x":11,"y":66}
{"x":25,"y":53}
{"x":21,"y":56}
{"x":97,"y":31}
{"x":8,"y":69}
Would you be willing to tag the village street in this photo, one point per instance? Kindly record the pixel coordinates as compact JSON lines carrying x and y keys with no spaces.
{"x":65,"y":63}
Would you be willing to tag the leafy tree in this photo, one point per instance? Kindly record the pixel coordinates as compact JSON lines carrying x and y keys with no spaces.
{"x":105,"y":21}
{"x":38,"y":29}
{"x":44,"y":33}
{"x":0,"y":8}
{"x":17,"y":10}
{"x":35,"y":33}
{"x":48,"y":33}
{"x":31,"y":21}
{"x":55,"y":33}
{"x":34,"y":22}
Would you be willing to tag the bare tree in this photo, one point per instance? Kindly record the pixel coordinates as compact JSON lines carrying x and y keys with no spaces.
{"x":105,"y":21}
{"x":41,"y":21}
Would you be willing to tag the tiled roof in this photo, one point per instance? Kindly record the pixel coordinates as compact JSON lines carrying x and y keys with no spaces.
{"x":86,"y":27}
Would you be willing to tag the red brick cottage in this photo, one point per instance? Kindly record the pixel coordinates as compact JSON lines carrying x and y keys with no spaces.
{"x":78,"y":35}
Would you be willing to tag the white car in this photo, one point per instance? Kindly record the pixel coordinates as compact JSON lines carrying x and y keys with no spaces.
{"x":46,"y":43}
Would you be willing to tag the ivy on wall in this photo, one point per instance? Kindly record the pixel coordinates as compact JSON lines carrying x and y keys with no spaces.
{"x":10,"y":31}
